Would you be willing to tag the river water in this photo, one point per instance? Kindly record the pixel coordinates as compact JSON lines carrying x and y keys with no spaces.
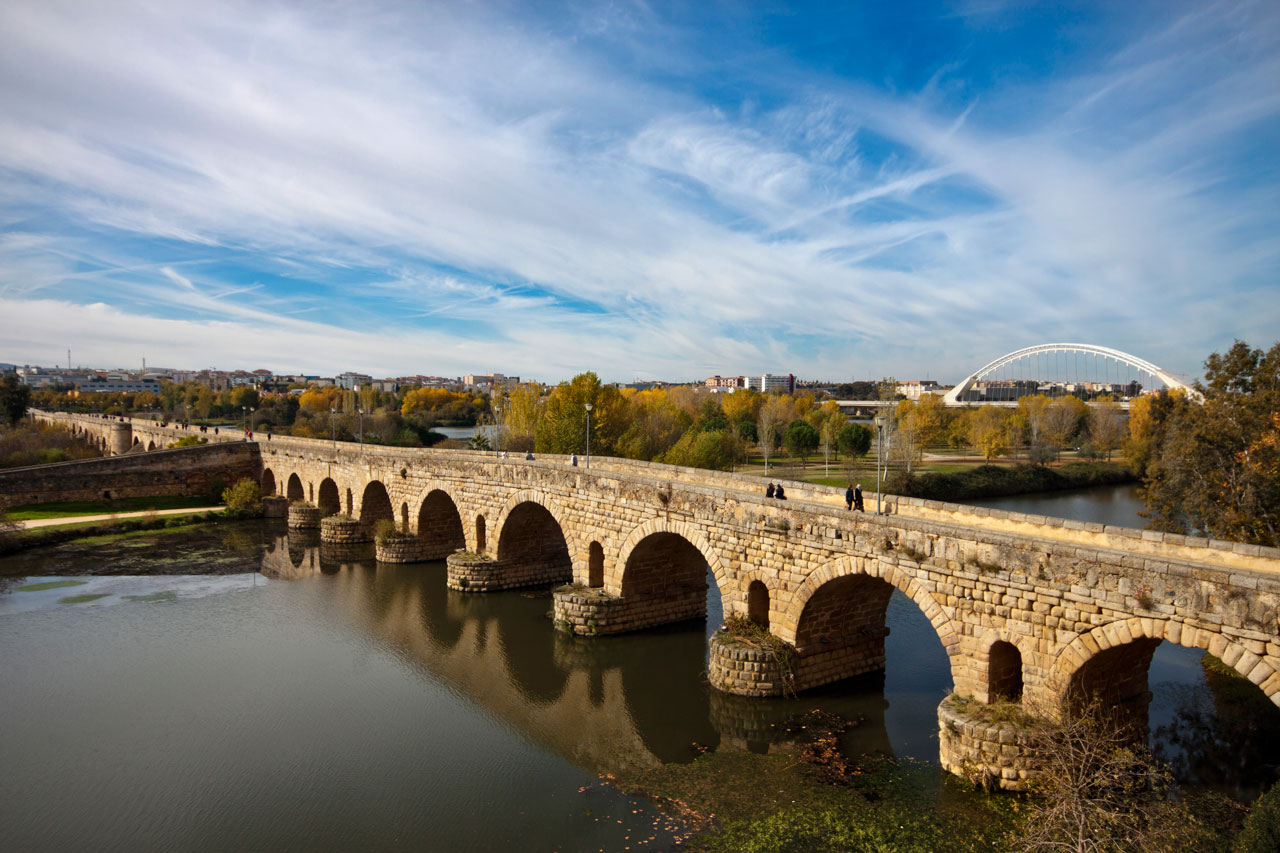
{"x":291,"y":700}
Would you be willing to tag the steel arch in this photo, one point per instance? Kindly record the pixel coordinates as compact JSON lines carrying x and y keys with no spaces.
{"x":953,"y":396}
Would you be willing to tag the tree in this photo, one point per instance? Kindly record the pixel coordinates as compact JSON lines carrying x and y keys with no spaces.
{"x":1212,"y":467}
{"x":1107,"y":427}
{"x":988,"y":431}
{"x":854,"y":440}
{"x":14,"y":399}
{"x":1062,"y":419}
{"x":522,"y":408}
{"x":1032,"y":410}
{"x":563,"y":425}
{"x":1102,"y":792}
{"x":771,"y":418}
{"x":801,"y":440}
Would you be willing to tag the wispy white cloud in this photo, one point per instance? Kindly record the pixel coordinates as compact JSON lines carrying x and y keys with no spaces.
{"x":455,"y":176}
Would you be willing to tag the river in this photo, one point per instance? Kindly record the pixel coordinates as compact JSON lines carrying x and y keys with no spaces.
{"x":296,"y":701}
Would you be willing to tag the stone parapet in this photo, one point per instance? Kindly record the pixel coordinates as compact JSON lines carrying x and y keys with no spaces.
{"x":303,"y":517}
{"x":410,"y":550}
{"x":743,"y":670}
{"x":988,"y":752}
{"x":341,"y":529}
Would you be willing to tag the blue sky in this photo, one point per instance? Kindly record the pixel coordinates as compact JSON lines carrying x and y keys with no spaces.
{"x":649,"y":190}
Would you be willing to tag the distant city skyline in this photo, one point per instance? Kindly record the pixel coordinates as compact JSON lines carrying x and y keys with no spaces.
{"x":649,"y":191}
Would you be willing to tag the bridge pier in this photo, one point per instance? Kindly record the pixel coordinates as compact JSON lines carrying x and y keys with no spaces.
{"x":482,"y":573}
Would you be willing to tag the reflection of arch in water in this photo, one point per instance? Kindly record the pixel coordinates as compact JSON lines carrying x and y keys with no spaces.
{"x":839,"y":614}
{"x":529,"y":652}
{"x":664,"y":686}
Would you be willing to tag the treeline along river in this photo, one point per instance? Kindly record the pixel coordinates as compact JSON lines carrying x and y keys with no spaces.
{"x":235,"y":687}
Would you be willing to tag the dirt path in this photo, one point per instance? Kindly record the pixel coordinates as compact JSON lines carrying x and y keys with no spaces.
{"x":114,"y":516}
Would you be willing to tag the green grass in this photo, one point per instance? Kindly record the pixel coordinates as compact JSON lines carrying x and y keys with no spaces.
{"x":39,"y":587}
{"x":83,"y":599}
{"x":69,"y":509}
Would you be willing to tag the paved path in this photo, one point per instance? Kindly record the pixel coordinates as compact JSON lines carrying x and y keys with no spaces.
{"x":77,"y":519}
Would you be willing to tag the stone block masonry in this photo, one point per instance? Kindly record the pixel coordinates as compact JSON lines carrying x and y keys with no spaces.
{"x":1022,"y":605}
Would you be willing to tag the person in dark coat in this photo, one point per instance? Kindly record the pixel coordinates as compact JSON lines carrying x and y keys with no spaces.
{"x":857,"y":498}
{"x":779,"y":493}
{"x":848,"y":497}
{"x":768,"y":493}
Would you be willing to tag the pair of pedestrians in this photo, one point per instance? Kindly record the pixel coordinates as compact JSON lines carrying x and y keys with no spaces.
{"x":853,"y":497}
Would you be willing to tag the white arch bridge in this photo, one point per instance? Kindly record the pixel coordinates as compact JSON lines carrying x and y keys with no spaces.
{"x":1121,"y":360}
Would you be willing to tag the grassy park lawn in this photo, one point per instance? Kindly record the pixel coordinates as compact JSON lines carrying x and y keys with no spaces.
{"x":70,"y":509}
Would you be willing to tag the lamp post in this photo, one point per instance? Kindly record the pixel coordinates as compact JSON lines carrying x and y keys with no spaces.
{"x":879,"y":421}
{"x":252,"y":409}
{"x":360,"y":412}
{"x":497,"y":431}
{"x":244,"y":421}
{"x":588,"y":408}
{"x":333,"y":430}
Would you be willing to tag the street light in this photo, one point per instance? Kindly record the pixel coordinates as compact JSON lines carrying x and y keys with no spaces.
{"x":244,"y":421}
{"x":879,"y":421}
{"x":360,"y":412}
{"x":251,"y":411}
{"x":588,"y":408}
{"x":497,"y":431}
{"x":333,"y":430}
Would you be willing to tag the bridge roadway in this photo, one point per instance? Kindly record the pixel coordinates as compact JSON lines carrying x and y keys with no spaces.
{"x":1038,"y":610}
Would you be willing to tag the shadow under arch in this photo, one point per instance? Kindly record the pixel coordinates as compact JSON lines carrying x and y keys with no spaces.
{"x":294,"y":490}
{"x":440,"y":525}
{"x":532,"y":546}
{"x":329,"y":498}
{"x":375,"y":505}
{"x":268,"y":482}
{"x":1111,"y":663}
{"x":840,"y":614}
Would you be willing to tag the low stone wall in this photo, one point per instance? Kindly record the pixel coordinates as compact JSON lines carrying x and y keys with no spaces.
{"x":987,"y":752}
{"x":341,"y":530}
{"x":305,"y":517}
{"x":855,"y":655}
{"x":334,"y":554}
{"x":401,"y":551}
{"x":591,"y":612}
{"x":471,"y":574}
{"x":185,"y":471}
{"x":743,"y":670}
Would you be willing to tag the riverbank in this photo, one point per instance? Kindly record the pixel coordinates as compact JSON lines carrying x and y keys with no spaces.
{"x":96,"y":532}
{"x":994,"y":481}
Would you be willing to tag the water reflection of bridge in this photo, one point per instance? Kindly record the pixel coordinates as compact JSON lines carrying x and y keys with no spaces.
{"x":631,"y":703}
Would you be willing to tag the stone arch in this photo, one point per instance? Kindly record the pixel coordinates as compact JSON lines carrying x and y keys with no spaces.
{"x":268,"y":482}
{"x":595,"y":565}
{"x":151,"y":445}
{"x":351,"y":509}
{"x":758,"y":603}
{"x":613,"y":578}
{"x":542,"y":499}
{"x":404,"y":517}
{"x":375,"y":505}
{"x":532,"y":546}
{"x":871,"y":584}
{"x":293,"y":489}
{"x":1260,"y":669}
{"x":440,"y":525}
{"x":481,"y":539}
{"x":1004,"y":671}
{"x":330,"y":500}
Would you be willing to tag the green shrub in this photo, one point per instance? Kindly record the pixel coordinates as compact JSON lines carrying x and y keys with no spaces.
{"x":243,"y":499}
{"x":189,"y":441}
{"x":387,"y":531}
{"x":1262,"y":827}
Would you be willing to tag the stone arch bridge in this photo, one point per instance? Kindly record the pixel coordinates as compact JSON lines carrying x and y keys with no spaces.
{"x":1028,"y":608}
